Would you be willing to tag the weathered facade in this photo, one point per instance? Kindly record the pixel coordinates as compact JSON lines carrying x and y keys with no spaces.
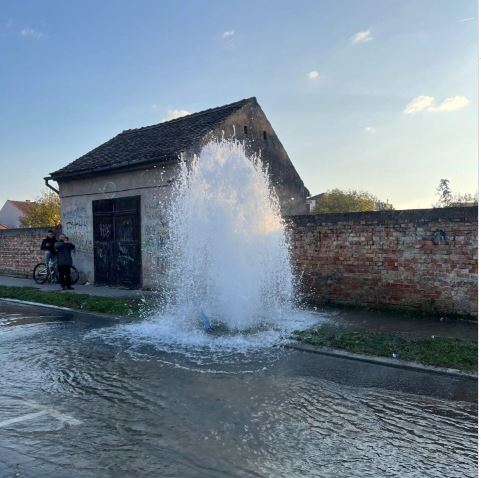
{"x":423,"y":259}
{"x":113,"y":198}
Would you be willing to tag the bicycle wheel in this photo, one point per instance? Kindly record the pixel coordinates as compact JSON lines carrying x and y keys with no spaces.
{"x":74,"y":275}
{"x":40,"y":273}
{"x":53,"y":277}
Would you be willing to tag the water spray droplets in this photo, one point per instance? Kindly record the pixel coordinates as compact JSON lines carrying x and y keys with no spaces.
{"x":227,"y":247}
{"x":227,"y":264}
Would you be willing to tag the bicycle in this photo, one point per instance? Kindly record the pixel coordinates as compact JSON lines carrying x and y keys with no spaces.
{"x":42,"y":273}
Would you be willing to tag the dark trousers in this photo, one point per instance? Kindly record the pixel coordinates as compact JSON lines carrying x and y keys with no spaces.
{"x":64,"y":276}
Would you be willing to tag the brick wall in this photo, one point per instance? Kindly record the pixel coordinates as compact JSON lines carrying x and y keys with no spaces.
{"x":423,"y":259}
{"x":20,"y":250}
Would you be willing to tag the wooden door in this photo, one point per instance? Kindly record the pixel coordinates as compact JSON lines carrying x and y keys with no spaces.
{"x":117,"y":252}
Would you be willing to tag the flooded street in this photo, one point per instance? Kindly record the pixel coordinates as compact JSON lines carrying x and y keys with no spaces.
{"x":75,"y":404}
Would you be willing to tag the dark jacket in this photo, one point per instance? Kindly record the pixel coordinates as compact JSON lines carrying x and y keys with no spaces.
{"x":64,"y":253}
{"x":48,"y":244}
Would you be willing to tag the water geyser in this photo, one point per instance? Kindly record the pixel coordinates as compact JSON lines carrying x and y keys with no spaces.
{"x":228,"y":255}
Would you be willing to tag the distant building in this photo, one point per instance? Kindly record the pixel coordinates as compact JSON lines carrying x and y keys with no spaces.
{"x":312,"y":201}
{"x":113,"y":198}
{"x":12,"y":212}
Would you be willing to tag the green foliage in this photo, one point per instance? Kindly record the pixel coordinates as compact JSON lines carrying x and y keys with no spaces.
{"x":45,"y":211}
{"x":440,"y":352}
{"x":336,"y":200}
{"x":106,"y":305}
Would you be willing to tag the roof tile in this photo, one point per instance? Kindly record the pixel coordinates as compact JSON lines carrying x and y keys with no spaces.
{"x":150,"y":144}
{"x":24,"y":206}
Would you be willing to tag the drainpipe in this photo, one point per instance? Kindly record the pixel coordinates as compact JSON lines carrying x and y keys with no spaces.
{"x":47,"y":179}
{"x":49,"y":185}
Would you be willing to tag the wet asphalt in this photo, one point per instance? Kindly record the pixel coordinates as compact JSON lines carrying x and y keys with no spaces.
{"x":78,"y":399}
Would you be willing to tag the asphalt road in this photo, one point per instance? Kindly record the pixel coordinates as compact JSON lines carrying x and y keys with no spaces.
{"x":90,"y":397}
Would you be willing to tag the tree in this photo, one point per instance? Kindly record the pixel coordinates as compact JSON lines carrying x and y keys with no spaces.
{"x":446,"y":198}
{"x":466,"y":199}
{"x":336,"y":200}
{"x":445,"y":195}
{"x":45,"y":211}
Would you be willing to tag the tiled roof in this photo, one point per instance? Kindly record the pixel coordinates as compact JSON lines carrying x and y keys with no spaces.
{"x":151,"y":144}
{"x":317,"y":196}
{"x":2,"y":227}
{"x":23,"y":206}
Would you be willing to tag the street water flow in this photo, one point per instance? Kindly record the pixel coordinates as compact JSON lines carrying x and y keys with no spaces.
{"x":74,"y":404}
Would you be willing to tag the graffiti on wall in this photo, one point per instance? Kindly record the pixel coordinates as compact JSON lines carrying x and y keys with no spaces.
{"x":76,"y":224}
{"x":154,"y":232}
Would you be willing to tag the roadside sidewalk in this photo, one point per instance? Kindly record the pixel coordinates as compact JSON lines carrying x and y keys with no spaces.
{"x":79,"y":289}
{"x":405,"y":324}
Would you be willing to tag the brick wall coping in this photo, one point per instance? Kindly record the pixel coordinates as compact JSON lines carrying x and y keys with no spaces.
{"x":26,"y":231}
{"x":455,"y":214}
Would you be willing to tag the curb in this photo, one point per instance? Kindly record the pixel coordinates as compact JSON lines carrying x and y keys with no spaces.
{"x":27,"y":302}
{"x":65,"y":309}
{"x":387,"y":362}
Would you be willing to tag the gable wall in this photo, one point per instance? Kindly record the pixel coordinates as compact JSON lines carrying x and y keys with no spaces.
{"x":287,"y":182}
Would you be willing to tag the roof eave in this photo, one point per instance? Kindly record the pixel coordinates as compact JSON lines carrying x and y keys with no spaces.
{"x":120,"y":169}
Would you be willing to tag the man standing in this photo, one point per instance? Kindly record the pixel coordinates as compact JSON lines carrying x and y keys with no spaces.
{"x":48,"y":248}
{"x":64,"y":250}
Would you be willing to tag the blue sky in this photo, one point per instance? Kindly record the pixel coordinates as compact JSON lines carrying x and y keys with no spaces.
{"x":366,"y":94}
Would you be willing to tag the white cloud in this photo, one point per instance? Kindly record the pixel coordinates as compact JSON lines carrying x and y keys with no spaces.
{"x":31,"y":33}
{"x":452,"y":104}
{"x":228,"y":34}
{"x":427,"y":103}
{"x":362,"y":37}
{"x":419,"y":103}
{"x":369,"y":130}
{"x":312,"y":75}
{"x":173,"y":114}
{"x":469,"y":19}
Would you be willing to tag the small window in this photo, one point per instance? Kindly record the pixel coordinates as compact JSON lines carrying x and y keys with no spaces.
{"x":245,"y":129}
{"x":264,"y":134}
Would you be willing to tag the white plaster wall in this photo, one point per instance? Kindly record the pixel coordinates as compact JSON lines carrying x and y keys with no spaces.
{"x":152,"y":184}
{"x":10,"y":215}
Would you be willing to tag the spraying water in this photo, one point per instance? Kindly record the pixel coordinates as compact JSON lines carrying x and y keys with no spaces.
{"x":227,"y":265}
{"x":228,"y":251}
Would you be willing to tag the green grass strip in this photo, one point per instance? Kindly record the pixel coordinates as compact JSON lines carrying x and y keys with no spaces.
{"x":438,"y":351}
{"x":106,"y":305}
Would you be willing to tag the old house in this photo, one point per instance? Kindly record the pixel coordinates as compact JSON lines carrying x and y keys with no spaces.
{"x":112,"y":197}
{"x":312,"y":201}
{"x":12,"y":211}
